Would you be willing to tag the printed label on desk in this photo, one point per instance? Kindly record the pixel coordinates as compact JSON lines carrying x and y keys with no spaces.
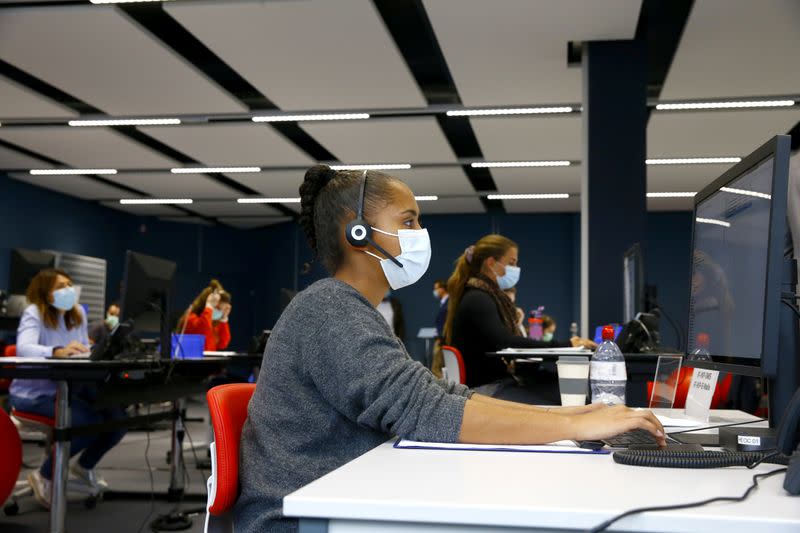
{"x":701,"y":391}
{"x":749,"y":440}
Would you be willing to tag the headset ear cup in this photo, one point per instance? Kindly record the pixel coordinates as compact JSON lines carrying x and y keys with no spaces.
{"x":358,"y":233}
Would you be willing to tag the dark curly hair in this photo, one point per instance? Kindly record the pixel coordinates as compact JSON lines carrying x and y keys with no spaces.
{"x":329,"y":199}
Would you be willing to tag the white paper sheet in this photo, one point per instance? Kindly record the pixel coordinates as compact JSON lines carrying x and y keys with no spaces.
{"x":564,"y":446}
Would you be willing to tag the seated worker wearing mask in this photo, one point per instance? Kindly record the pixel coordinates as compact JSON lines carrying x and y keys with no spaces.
{"x":336,"y":382}
{"x":481,"y":318}
{"x":99,"y":331}
{"x":208,"y":315}
{"x":54,"y":325}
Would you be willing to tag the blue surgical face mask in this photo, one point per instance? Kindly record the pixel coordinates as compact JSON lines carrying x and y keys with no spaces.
{"x":64,"y":299}
{"x":415,"y":256}
{"x":510,"y":278}
{"x":112,"y":321}
{"x":216,"y":314}
{"x":436,"y":295}
{"x":547,"y":337}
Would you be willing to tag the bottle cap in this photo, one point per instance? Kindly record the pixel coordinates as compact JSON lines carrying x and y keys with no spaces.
{"x":608,"y":333}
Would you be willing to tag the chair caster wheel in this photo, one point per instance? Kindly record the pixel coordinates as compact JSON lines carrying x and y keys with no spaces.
{"x":11,"y":509}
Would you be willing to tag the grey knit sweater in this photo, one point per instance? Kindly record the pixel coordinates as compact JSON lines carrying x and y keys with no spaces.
{"x":335,"y":382}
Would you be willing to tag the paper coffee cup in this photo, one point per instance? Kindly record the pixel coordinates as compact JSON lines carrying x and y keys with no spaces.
{"x":573,"y":380}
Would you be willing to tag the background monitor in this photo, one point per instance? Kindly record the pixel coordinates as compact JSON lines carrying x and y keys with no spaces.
{"x":146,"y":292}
{"x":632,"y":283}
{"x":736,"y":263}
{"x":25,"y":264}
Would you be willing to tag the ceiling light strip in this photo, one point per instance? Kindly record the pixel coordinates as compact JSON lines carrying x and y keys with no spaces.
{"x":387,"y":166}
{"x":155,"y":201}
{"x":430,"y":198}
{"x":693,"y":161}
{"x":744,"y":192}
{"x":126,"y":122}
{"x":508,"y":111}
{"x":268,"y":200}
{"x":713,"y":221}
{"x":671,"y":194}
{"x":208,"y":170}
{"x":72,"y":171}
{"x":311,"y":117}
{"x":556,"y":196}
{"x":519,"y":164}
{"x":745,"y":104}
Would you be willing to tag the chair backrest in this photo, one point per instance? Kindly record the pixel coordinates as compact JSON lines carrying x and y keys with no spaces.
{"x":12,"y":455}
{"x":453,"y":365}
{"x":228,"y":407}
{"x":10,"y":350}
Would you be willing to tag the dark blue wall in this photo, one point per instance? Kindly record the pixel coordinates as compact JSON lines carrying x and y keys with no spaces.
{"x":549,"y":257}
{"x":255,"y":265}
{"x":32,"y":217}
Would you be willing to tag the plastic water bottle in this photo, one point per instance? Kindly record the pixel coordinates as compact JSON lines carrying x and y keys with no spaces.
{"x":700,"y":352}
{"x":607,"y":371}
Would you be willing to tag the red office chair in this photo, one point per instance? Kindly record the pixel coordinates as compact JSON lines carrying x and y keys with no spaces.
{"x":12,"y":456}
{"x":454,"y":369}
{"x":228,"y":407}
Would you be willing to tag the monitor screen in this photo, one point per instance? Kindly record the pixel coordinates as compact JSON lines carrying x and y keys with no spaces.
{"x":729,"y":266}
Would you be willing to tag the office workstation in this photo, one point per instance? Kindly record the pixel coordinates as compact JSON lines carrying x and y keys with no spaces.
{"x":419,"y":265}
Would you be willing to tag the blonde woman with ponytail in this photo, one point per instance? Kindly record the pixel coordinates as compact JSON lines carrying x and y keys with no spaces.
{"x":481,"y":318}
{"x":208,"y":315}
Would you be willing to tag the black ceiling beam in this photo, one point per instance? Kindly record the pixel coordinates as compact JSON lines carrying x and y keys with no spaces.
{"x":411,"y":29}
{"x":661,"y":26}
{"x":795,"y":133}
{"x":164,"y":27}
{"x":76,"y":104}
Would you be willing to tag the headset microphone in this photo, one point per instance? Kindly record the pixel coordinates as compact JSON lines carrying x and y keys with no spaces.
{"x":359,"y":232}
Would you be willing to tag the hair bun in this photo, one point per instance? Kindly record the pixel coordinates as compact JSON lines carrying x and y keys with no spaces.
{"x":316,"y":178}
{"x":215,"y":285}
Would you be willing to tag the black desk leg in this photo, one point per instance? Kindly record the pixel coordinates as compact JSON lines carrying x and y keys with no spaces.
{"x":177,"y":467}
{"x":58,"y":507}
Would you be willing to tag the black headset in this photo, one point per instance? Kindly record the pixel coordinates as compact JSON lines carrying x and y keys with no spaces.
{"x":359,"y":232}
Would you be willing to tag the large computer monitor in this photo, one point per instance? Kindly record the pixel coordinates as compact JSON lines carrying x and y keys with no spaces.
{"x":737,"y":265}
{"x":146,"y":295}
{"x":25,"y":264}
{"x":632,"y":283}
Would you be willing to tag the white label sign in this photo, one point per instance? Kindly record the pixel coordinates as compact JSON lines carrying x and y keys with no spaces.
{"x":701,"y":391}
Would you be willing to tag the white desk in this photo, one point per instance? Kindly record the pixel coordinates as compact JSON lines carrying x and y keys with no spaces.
{"x":390,"y":490}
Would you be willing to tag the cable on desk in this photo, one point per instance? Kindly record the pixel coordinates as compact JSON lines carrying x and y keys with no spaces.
{"x":733,"y":499}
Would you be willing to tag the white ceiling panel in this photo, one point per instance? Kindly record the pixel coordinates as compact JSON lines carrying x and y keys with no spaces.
{"x":445,"y":206}
{"x":307,"y":55}
{"x":515,"y":51}
{"x":11,"y":159}
{"x":670,"y":204}
{"x":682,"y":178}
{"x":144,"y":210}
{"x":188,"y":220}
{"x":737,"y":48}
{"x":79,"y":186}
{"x":567,"y":205}
{"x":276,"y":183}
{"x":232,"y":208}
{"x":254,"y":222}
{"x":17,"y":101}
{"x":427,"y":181}
{"x":86,"y":147}
{"x":715,"y":133}
{"x":231,"y":144}
{"x":525,"y":139}
{"x":538,"y":180}
{"x":410,"y":140}
{"x":98,"y":55}
{"x":166,"y":185}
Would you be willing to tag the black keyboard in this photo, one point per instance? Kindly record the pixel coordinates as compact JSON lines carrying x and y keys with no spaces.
{"x":637,"y":437}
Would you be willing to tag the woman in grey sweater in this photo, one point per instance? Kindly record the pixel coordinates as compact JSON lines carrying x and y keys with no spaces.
{"x":335,"y":382}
